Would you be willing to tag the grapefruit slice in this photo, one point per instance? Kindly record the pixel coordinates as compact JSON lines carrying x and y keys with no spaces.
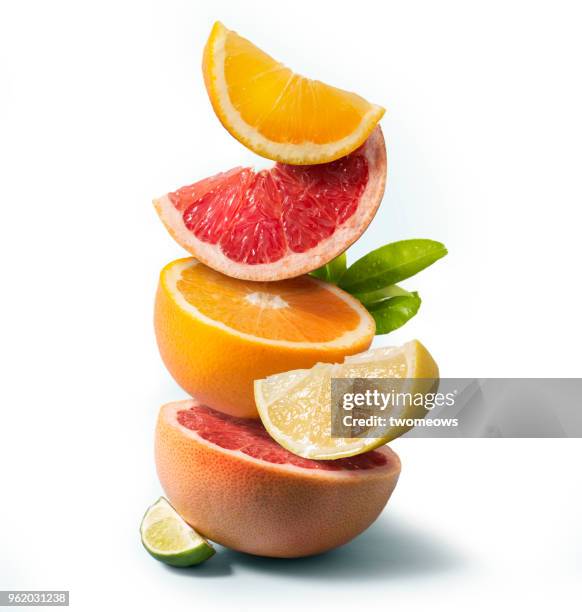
{"x":218,"y":334}
{"x":278,"y":223}
{"x":277,"y":113}
{"x":233,"y":483}
{"x":295,"y":406}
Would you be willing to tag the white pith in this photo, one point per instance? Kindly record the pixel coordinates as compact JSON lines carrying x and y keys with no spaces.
{"x":266,"y":300}
{"x":307,"y":152}
{"x":170,"y":412}
{"x":291,"y":264}
{"x":172,"y":273}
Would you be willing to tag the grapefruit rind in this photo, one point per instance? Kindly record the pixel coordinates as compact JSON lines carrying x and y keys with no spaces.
{"x":290,"y":153}
{"x":317,"y":443}
{"x":266,"y":509}
{"x":291,"y":264}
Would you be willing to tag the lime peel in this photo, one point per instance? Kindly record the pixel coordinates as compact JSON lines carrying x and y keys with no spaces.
{"x":168,"y":538}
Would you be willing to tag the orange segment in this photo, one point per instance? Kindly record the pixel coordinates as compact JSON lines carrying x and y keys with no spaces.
{"x":217,"y":335}
{"x":294,"y":310}
{"x":277,"y":113}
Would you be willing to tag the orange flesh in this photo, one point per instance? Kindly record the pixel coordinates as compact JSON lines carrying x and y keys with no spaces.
{"x":296,"y":310}
{"x":284,"y":106}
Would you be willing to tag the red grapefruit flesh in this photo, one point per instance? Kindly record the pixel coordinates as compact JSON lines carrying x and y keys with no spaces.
{"x":234,"y":484}
{"x":282,"y":222}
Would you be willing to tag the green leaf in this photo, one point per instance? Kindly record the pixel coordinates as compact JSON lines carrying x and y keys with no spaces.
{"x":391,"y":264}
{"x":373,"y":297}
{"x":392,"y":313}
{"x":333,"y":270}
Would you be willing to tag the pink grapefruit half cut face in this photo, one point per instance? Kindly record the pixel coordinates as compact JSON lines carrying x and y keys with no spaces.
{"x":281,"y":222}
{"x":235,"y":485}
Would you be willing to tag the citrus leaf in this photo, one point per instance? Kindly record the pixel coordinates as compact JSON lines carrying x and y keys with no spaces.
{"x":392,"y":313}
{"x":373,"y":297}
{"x":391,"y":264}
{"x":333,"y":270}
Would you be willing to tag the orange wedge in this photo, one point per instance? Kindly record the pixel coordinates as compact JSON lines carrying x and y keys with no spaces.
{"x":277,"y":113}
{"x":217,"y":334}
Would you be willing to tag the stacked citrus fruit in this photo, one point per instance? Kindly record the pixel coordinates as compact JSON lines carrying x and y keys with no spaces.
{"x":244,"y":329}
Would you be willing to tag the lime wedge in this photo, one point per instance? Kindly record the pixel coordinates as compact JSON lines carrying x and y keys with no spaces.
{"x":168,"y":538}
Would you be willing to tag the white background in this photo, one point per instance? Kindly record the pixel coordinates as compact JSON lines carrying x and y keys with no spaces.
{"x":102,"y":107}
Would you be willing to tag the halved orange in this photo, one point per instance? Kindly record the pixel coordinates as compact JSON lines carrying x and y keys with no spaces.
{"x":217,"y":334}
{"x":277,"y":113}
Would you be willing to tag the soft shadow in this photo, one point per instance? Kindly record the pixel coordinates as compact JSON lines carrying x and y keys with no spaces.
{"x":386,"y":550}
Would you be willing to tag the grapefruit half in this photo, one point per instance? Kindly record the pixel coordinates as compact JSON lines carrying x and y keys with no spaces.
{"x":234,"y":484}
{"x":282,"y":222}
